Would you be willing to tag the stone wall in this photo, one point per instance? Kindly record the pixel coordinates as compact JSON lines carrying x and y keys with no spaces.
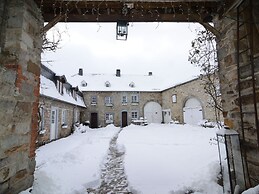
{"x":183,"y":92}
{"x":227,"y":56}
{"x":20,"y":48}
{"x":63,"y":131}
{"x":118,"y":107}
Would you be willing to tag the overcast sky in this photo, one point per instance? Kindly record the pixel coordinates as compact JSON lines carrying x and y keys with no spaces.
{"x":158,"y":47}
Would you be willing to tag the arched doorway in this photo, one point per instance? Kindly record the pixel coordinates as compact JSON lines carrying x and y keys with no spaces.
{"x":192,"y":111}
{"x":153,"y":112}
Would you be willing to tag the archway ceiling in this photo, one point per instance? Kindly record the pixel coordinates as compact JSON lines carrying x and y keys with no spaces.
{"x":130,"y":10}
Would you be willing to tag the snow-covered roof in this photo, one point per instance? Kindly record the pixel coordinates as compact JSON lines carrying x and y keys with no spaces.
{"x":124,"y":82}
{"x":48,"y":89}
{"x":111,"y":82}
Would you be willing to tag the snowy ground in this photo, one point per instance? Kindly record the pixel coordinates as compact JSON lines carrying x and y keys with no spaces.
{"x":157,"y":159}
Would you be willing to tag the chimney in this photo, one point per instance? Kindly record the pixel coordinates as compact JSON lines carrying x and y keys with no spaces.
{"x":80,"y":72}
{"x":118,"y":72}
{"x":150,"y":73}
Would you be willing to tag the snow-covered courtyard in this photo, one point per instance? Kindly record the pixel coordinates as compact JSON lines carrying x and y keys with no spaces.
{"x":155,"y":159}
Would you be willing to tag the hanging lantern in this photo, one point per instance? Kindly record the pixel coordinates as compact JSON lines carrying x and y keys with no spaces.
{"x":122,"y":30}
{"x":231,"y":163}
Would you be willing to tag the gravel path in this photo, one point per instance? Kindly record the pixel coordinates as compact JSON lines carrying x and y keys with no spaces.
{"x":113,"y":178}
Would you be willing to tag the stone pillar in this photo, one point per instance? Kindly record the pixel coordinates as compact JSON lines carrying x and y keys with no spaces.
{"x":227,"y":56}
{"x":20,"y":49}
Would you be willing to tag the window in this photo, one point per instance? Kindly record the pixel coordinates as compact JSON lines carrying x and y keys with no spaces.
{"x":132,"y":84}
{"x":174,"y":98}
{"x":134,"y":115}
{"x":60,"y":87}
{"x":134,"y":98}
{"x":107,"y":84}
{"x":124,"y":100}
{"x":83,"y":83}
{"x":64,"y":117}
{"x":74,"y":94}
{"x":109,"y":118}
{"x":108,"y":100}
{"x":93,"y":100}
{"x":76,"y":116}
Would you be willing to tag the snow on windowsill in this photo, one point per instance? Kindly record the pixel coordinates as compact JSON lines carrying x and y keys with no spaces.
{"x":64,"y":126}
{"x":42,"y":132}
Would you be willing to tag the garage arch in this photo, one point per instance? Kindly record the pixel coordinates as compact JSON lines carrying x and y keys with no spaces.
{"x":153,"y":112}
{"x":192,"y":111}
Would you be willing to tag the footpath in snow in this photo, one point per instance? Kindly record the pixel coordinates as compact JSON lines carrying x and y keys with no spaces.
{"x":153,"y":159}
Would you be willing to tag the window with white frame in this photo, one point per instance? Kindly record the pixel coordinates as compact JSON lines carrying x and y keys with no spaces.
{"x":124,"y":99}
{"x":109,"y":118}
{"x":134,"y":98}
{"x":132,"y":84}
{"x":60,"y":86}
{"x":134,"y":115}
{"x":174,"y":98}
{"x":107,"y":84}
{"x":93,"y":100}
{"x":64,"y":116}
{"x":76,"y":116}
{"x":108,"y":100}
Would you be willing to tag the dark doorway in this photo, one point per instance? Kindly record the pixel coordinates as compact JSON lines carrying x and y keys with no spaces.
{"x":94,"y":120}
{"x":124,"y":119}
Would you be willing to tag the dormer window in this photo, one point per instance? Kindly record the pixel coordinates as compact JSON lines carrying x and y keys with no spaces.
{"x":132,"y":84}
{"x":60,"y":87}
{"x":107,"y":84}
{"x":83,"y":83}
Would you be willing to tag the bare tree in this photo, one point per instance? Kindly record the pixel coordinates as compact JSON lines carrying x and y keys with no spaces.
{"x":51,"y":43}
{"x":204,"y":54}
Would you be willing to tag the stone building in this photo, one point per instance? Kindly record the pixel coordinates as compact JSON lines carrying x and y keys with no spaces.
{"x":236,"y":28}
{"x":122,"y":99}
{"x":60,"y":106}
{"x":189,"y":103}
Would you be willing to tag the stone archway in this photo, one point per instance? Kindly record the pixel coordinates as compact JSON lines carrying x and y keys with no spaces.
{"x":192,"y":111}
{"x":153,"y":112}
{"x":20,"y":43}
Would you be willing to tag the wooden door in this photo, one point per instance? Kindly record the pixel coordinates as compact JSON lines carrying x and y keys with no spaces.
{"x":94,"y":120}
{"x":124,"y":119}
{"x":54,"y":124}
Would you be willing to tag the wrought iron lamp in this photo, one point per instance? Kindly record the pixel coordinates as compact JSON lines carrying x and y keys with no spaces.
{"x":231,"y":163}
{"x":122,"y":30}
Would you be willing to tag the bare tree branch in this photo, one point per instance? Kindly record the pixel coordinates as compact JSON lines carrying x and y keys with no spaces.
{"x":203,"y":54}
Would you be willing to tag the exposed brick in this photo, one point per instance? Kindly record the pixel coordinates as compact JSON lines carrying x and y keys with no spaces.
{"x":33,"y":68}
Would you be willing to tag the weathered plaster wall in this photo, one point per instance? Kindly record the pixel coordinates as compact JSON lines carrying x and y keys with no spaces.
{"x":20,"y":48}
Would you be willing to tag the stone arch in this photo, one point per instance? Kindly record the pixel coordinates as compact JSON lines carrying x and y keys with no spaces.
{"x":192,"y":110}
{"x":153,"y":112}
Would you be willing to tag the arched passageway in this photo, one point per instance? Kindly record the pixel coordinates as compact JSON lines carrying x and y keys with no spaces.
{"x":20,"y":42}
{"x":192,"y":111}
{"x":153,"y":112}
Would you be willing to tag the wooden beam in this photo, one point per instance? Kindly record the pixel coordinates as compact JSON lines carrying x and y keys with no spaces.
{"x":206,"y":25}
{"x":52,"y":23}
{"x":234,"y":5}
